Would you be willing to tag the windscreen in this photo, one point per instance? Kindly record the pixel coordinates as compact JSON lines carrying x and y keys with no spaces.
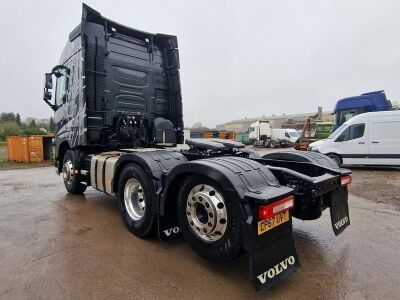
{"x":294,"y":134}
{"x":345,"y":115}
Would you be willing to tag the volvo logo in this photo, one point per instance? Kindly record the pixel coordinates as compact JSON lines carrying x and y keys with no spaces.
{"x":341,"y":222}
{"x":171,"y":230}
{"x":277,"y":269}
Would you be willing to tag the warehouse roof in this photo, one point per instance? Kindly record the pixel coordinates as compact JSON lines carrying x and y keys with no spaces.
{"x":274,"y":117}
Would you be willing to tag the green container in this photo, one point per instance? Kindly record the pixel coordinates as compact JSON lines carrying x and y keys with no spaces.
{"x":243,"y":138}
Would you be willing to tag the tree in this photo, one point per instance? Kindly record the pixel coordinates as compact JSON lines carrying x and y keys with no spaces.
{"x":18,"y":120}
{"x":32,"y":128}
{"x":7,"y":117}
{"x":9,"y":128}
{"x":32,"y":124}
{"x":52,"y":126}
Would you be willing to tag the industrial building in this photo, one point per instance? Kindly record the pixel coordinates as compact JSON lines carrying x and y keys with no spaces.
{"x":295,"y":121}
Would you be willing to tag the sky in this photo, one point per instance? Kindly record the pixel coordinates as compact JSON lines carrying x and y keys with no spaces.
{"x":238,"y":58}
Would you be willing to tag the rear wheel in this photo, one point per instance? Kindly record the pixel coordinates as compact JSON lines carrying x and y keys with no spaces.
{"x":208,"y":219}
{"x":72,"y":181}
{"x":136,"y":204}
{"x":336,"y":158}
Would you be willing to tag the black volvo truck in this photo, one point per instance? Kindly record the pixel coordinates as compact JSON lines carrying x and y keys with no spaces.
{"x":117,"y":104}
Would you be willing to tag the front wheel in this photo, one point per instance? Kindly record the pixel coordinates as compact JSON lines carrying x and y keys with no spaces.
{"x":72,"y":180}
{"x":209,"y":220}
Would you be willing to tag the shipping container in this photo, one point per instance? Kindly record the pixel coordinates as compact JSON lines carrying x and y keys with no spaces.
{"x":243,"y":138}
{"x":30,"y":149}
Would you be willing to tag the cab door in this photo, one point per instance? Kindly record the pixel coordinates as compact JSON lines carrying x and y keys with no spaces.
{"x":352,"y":144}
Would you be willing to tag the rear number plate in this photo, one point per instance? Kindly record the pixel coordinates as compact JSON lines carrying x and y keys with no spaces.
{"x":265,"y":225}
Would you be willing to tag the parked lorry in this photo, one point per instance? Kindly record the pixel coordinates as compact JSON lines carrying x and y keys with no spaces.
{"x":260,"y":134}
{"x":118,"y":114}
{"x":349,"y":107}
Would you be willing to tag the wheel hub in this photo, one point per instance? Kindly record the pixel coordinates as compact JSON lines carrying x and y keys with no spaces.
{"x":68,"y":171}
{"x":134,"y":199}
{"x":206,"y":213}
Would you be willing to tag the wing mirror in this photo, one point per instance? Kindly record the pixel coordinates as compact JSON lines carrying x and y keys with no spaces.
{"x":48,"y":85}
{"x":47,"y":95}
{"x":48,"y":81}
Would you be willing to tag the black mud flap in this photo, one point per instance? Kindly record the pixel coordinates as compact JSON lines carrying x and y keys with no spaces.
{"x":274,"y":259}
{"x":340,"y":211}
{"x":168,"y":228}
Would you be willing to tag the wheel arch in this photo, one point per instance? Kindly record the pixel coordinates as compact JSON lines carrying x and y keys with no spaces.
{"x":336,"y":154}
{"x":155,"y":164}
{"x":237,"y":176}
{"x":122,"y":163}
{"x":303,"y":156}
{"x":180,"y":173}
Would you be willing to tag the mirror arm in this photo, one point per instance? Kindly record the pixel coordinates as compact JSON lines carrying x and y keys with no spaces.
{"x":53,"y":106}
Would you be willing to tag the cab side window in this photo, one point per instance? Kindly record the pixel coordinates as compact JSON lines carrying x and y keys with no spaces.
{"x":62,"y":86}
{"x":352,"y":132}
{"x":356,"y":131}
{"x":287,"y":135}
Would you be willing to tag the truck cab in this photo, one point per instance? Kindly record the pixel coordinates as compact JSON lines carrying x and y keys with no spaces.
{"x":347,"y":108}
{"x":260,"y":133}
{"x":114,"y":87}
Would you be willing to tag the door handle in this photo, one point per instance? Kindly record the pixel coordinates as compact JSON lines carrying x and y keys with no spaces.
{"x":361,"y":143}
{"x":375,"y":142}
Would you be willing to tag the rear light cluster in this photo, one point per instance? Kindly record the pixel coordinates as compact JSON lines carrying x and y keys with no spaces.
{"x":268,"y":211}
{"x":345,"y":180}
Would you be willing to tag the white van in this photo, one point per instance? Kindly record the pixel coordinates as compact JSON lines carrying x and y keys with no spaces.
{"x":285,"y":134}
{"x":367,"y":139}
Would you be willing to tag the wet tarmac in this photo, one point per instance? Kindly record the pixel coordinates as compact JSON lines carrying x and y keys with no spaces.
{"x":57,"y":246}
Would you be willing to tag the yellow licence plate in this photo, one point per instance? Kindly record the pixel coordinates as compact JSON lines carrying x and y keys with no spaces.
{"x":265,"y":225}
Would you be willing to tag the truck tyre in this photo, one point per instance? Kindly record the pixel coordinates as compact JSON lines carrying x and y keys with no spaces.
{"x":336,"y":158}
{"x":136,"y":201}
{"x":209,"y":220}
{"x":72,"y":181}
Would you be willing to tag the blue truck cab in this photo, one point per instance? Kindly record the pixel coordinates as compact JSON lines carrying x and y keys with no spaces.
{"x":347,"y":108}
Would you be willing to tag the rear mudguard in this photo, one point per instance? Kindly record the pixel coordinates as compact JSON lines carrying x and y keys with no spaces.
{"x":272,"y":254}
{"x":320,"y":178}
